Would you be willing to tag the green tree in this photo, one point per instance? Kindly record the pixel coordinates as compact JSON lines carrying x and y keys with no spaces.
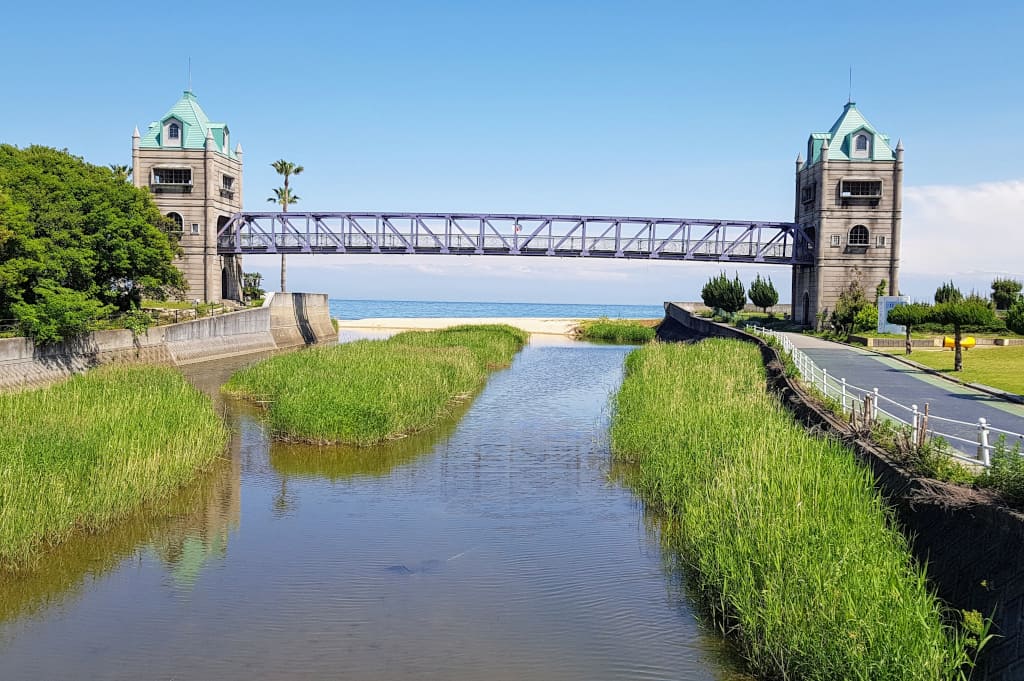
{"x":947,"y":293}
{"x":972,"y":313}
{"x":70,"y":233}
{"x":908,"y":316}
{"x":720,"y":293}
{"x":1005,"y":292}
{"x":880,"y":289}
{"x":251,"y":288}
{"x":851,"y":301}
{"x":1015,"y":316}
{"x":285,"y":197}
{"x":762,"y":293}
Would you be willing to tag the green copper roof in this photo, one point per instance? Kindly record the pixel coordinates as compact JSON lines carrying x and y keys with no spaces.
{"x":840,"y":139}
{"x":195,"y":125}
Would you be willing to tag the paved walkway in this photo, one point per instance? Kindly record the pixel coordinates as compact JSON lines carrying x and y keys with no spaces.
{"x":907,"y":385}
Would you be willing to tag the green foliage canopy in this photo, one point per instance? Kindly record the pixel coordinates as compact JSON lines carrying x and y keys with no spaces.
{"x":762,"y":293}
{"x":1015,"y":316}
{"x":722,"y":294}
{"x":1005,"y":292}
{"x":963,"y":315}
{"x":851,"y":301}
{"x":909,"y":316}
{"x":947,"y":293}
{"x":76,"y":241}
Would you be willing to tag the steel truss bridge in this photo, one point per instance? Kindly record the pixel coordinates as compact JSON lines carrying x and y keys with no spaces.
{"x":777,"y":243}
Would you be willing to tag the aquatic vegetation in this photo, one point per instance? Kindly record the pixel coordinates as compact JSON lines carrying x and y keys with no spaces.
{"x":783,"y":534}
{"x":85,"y":453}
{"x":615,"y":330}
{"x":369,"y":391}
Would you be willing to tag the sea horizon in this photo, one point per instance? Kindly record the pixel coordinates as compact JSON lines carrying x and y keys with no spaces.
{"x":342,"y":308}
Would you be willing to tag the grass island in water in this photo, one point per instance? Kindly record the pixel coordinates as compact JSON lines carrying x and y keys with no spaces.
{"x":84,"y":453}
{"x":783,"y":534}
{"x":366,"y":392}
{"x":616,"y":330}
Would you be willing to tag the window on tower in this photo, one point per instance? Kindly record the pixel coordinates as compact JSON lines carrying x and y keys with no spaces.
{"x":171,"y":180}
{"x":173,"y":131}
{"x":861,"y":145}
{"x":177,"y":221}
{"x":860,"y":191}
{"x":858,"y":236}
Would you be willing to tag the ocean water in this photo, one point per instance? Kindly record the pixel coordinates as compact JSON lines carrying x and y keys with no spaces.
{"x":366,"y":309}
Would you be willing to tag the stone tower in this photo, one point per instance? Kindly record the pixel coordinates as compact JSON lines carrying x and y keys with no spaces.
{"x":195,"y":178}
{"x":849,"y":203}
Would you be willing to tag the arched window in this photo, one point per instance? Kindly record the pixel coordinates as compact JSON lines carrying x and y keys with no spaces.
{"x":858,"y":236}
{"x":173,"y":131}
{"x":177,"y":220}
{"x":861,"y":145}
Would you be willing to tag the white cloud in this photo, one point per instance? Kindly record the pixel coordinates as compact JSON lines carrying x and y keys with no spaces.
{"x":974,"y":231}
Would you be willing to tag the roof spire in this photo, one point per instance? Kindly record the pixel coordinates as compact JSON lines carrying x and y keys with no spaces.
{"x":190,"y":73}
{"x":849,"y":95}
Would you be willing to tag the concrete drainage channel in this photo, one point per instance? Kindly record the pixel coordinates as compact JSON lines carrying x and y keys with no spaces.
{"x":285,"y":320}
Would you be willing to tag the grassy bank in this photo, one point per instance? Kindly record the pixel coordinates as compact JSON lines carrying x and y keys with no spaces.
{"x":85,"y":453}
{"x":784,"y":536}
{"x":616,"y":330}
{"x":370,"y":391}
{"x":1001,"y":368}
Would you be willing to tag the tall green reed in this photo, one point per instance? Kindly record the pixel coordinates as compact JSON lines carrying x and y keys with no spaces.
{"x":783,"y":535}
{"x":366,"y":392}
{"x":82,"y":454}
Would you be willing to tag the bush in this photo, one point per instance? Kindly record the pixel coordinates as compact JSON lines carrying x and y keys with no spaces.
{"x":866,"y":319}
{"x":763,"y":294}
{"x":1005,"y":292}
{"x":948,"y":293}
{"x":721,"y":294}
{"x":1015,"y":316}
{"x":57,"y":314}
{"x":851,"y":301}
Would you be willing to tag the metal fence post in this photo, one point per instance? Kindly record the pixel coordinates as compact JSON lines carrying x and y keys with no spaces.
{"x":874,"y":406}
{"x":824,"y":381}
{"x":983,"y":448}
{"x":843,"y":381}
{"x":916,"y":425}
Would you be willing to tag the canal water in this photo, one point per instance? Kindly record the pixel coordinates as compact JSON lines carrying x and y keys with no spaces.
{"x":499,"y":546}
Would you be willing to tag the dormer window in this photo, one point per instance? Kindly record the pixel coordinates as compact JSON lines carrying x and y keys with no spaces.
{"x":861,"y":145}
{"x":173,"y":131}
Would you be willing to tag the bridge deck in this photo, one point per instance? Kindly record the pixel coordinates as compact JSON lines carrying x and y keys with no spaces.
{"x":511,"y":234}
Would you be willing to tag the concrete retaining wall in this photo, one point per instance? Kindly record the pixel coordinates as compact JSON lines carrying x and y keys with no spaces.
{"x":972,"y":543}
{"x":287,"y":320}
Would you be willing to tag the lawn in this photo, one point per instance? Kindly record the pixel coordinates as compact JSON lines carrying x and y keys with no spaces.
{"x":1001,"y":368}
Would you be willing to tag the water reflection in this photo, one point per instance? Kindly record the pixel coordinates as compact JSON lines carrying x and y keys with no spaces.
{"x":492,"y":547}
{"x":189,"y":530}
{"x":339,"y":462}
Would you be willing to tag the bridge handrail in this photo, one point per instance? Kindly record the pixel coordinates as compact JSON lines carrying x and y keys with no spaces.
{"x":848,"y":393}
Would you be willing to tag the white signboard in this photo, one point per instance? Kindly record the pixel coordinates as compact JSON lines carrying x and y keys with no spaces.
{"x":886,"y":303}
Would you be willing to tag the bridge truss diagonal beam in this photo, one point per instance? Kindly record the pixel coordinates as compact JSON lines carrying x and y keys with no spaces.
{"x":779,"y":243}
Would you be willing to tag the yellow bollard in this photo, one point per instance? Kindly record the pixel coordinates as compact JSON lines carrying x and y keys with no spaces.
{"x":966,"y":342}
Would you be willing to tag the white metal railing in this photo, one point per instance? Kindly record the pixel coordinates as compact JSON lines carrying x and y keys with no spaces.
{"x":963,"y":436}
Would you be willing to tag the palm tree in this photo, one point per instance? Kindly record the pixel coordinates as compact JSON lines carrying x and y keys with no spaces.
{"x":122,"y":172}
{"x":285,"y":197}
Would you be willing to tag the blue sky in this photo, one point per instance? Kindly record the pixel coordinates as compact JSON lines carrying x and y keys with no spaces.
{"x":631,"y":108}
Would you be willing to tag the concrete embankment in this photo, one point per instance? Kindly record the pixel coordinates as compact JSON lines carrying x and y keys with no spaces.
{"x":285,"y":320}
{"x":972,"y":543}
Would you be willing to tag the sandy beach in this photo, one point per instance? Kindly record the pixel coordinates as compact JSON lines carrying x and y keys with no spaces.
{"x":533,"y":325}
